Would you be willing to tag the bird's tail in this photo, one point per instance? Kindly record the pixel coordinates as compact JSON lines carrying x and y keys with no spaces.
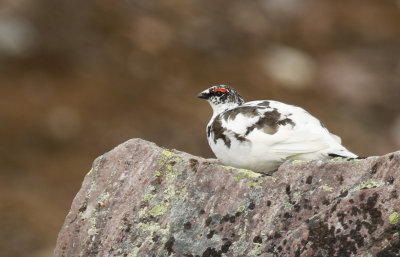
{"x":347,"y":154}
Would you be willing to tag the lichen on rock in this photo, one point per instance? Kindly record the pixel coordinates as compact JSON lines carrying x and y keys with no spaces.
{"x":143,"y":200}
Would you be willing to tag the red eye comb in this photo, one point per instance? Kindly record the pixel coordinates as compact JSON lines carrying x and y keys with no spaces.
{"x":223,"y":90}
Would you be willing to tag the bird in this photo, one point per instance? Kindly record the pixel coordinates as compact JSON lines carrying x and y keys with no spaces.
{"x":261,"y":135}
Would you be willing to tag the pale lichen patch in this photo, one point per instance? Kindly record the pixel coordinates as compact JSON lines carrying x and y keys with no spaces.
{"x":241,"y":208}
{"x":167,"y":162}
{"x":346,"y":188}
{"x":297,"y":196}
{"x":300,"y":161}
{"x":153,"y":227}
{"x":134,"y":252}
{"x":91,"y":188}
{"x":370,"y":183}
{"x":93,"y":226}
{"x":326,"y":188}
{"x":170,"y":192}
{"x":394,"y":218}
{"x":167,"y":154}
{"x":256,"y":251}
{"x":148,"y":197}
{"x":252,"y":178}
{"x":337,"y":159}
{"x":239,"y":247}
{"x":103,"y":197}
{"x":142,"y":212}
{"x":288,"y":205}
{"x":158,"y":210}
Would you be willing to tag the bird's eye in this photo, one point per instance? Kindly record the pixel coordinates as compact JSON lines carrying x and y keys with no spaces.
{"x":220,"y":91}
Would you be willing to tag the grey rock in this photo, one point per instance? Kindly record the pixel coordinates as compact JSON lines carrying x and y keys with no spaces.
{"x":143,"y":200}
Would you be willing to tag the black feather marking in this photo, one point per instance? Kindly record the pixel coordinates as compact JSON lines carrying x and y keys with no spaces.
{"x":248,"y":111}
{"x":218,"y":131}
{"x":264,"y":104}
{"x":333,"y":155}
{"x":208,"y":131}
{"x":270,"y":122}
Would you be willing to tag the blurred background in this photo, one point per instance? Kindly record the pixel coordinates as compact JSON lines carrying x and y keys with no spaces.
{"x":80,"y":77}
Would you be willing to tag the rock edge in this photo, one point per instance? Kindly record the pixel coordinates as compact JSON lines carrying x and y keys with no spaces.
{"x":143,"y":200}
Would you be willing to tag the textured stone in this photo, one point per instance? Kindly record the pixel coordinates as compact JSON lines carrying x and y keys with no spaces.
{"x":143,"y":200}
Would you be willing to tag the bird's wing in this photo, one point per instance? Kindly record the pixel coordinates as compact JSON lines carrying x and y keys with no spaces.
{"x":292,"y":143}
{"x":280,"y":128}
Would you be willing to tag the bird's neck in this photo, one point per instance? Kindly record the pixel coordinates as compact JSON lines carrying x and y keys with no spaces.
{"x":220,"y":108}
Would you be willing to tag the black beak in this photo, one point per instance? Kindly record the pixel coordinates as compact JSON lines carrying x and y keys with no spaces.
{"x":203,"y":95}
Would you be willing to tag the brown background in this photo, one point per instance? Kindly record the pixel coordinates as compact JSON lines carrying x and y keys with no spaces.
{"x":79,"y":77}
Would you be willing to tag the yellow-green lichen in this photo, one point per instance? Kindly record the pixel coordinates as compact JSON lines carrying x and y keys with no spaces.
{"x":91,"y":188}
{"x":288,"y":205}
{"x":349,"y":160}
{"x":93,"y":226}
{"x":241,"y":208}
{"x":90,"y":171}
{"x":354,"y":160}
{"x":172,"y":173}
{"x":299,"y":161}
{"x":239,"y":247}
{"x":337,"y":159}
{"x":273,"y":179}
{"x":134,"y":252}
{"x":167,"y":153}
{"x":297,"y":196}
{"x":148,"y":197}
{"x":157,"y":173}
{"x":103,"y":197}
{"x":326,"y":188}
{"x":148,"y":229}
{"x":394,"y":218}
{"x":158,"y":210}
{"x":251,"y":176}
{"x":251,"y":183}
{"x":152,"y":227}
{"x":119,"y":251}
{"x":168,"y":160}
{"x":172,"y":192}
{"x":249,"y":173}
{"x":93,"y":182}
{"x":142,"y":212}
{"x":256,"y":251}
{"x":370,"y":183}
{"x":346,"y":188}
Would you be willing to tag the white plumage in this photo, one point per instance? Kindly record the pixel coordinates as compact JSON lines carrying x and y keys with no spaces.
{"x":260,"y":135}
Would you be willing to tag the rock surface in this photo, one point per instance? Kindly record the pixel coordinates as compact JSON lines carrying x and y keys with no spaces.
{"x":143,"y":200}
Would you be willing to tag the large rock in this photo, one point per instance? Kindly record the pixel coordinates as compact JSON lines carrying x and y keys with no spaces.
{"x":142,"y":200}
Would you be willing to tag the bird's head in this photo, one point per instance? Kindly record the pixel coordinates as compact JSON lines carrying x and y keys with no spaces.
{"x":221,"y":98}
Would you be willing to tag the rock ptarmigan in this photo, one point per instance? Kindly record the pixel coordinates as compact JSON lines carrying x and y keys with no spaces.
{"x":261,"y":135}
